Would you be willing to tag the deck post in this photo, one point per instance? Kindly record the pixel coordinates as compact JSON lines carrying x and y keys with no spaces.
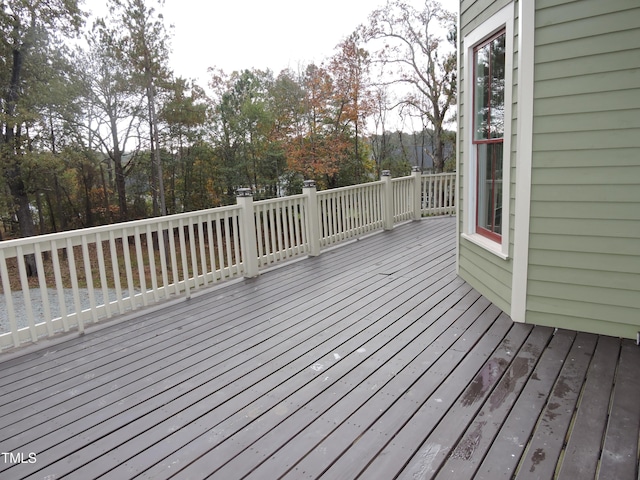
{"x":417,"y":192}
{"x":387,"y":200}
{"x":313,"y":217}
{"x":248,"y":240}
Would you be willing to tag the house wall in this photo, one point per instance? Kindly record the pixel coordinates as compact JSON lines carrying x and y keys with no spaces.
{"x":491,"y":275}
{"x":584,"y":233}
{"x":574,"y":236}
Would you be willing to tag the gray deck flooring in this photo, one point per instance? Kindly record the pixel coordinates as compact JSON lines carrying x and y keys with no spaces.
{"x":373,"y":361}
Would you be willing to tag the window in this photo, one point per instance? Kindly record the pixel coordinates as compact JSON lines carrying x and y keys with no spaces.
{"x":487,"y":55}
{"x":488,"y":133}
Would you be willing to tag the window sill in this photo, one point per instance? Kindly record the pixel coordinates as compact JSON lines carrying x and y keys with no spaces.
{"x":486,"y":244}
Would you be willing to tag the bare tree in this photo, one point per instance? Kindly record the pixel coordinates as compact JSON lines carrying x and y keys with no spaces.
{"x":416,"y":48}
{"x":380,"y":142}
{"x":113,"y":108}
{"x":144,"y":48}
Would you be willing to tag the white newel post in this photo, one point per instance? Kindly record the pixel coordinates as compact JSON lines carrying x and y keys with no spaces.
{"x":417,"y":192}
{"x":313,"y":217}
{"x":387,"y":200}
{"x":248,"y":241}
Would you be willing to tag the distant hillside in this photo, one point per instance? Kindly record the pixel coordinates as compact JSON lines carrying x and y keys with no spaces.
{"x":416,"y":149}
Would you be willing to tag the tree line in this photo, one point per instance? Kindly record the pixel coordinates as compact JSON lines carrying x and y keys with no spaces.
{"x":96,"y":128}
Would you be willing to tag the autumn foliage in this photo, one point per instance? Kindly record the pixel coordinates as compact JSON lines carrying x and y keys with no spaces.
{"x":104,"y":131}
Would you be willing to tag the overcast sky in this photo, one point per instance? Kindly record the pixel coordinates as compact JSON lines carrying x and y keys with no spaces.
{"x":276,"y":34}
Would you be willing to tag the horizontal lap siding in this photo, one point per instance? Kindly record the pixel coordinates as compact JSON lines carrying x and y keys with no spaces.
{"x":486,"y":272}
{"x":584,"y":262}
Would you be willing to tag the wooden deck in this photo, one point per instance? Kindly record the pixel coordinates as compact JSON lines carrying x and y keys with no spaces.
{"x":373,"y":361}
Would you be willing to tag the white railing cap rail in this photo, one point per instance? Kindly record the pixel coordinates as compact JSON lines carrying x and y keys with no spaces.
{"x":440,"y":174}
{"x":288,"y":198}
{"x":349,"y":187}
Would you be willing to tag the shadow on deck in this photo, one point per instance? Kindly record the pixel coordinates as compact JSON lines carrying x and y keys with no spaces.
{"x":373,"y":360}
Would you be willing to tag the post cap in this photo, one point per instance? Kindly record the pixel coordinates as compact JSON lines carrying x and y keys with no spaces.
{"x":244,"y":192}
{"x":309,"y":184}
{"x":386,"y":173}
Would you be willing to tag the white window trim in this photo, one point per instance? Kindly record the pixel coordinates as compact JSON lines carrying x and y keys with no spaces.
{"x":503,"y":19}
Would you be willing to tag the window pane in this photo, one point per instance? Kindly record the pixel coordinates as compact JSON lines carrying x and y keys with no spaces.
{"x":490,"y":187}
{"x":481,"y":97}
{"x":497,"y":69}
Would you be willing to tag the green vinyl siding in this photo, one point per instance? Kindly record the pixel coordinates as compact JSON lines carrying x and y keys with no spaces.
{"x":485,"y":271}
{"x":580,"y":309}
{"x":575,"y":67}
{"x":552,"y":319}
{"x":473,"y":13}
{"x":575,"y":49}
{"x":585,"y":210}
{"x":552,"y":29}
{"x":584,"y":251}
{"x":566,"y":9}
{"x":599,"y":102}
{"x":580,"y":276}
{"x":586,"y":226}
{"x":587,"y":243}
{"x":491,"y":286}
{"x":585,"y":84}
{"x":598,"y":262}
{"x":580,"y":193}
{"x":604,"y":140}
{"x":615,"y":120}
{"x":588,"y":158}
{"x":584,"y":294}
{"x":616,"y":175}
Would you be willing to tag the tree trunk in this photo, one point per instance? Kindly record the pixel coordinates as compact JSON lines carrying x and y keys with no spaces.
{"x":13,"y":152}
{"x":438,"y":157}
{"x":25,"y":220}
{"x":88,"y":207}
{"x":52,"y":214}
{"x":105,"y":199}
{"x":119,"y":171}
{"x":42,"y":226}
{"x":120,"y":187}
{"x":159,"y":205}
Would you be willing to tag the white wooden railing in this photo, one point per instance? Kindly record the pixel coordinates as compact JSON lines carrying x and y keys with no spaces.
{"x":404,"y":198}
{"x":281,"y":231}
{"x":438,"y":194}
{"x":349,"y":212}
{"x":87,"y":275}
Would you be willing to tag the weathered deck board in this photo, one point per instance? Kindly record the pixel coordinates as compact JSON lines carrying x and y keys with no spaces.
{"x":471,"y":448}
{"x":507,"y":449}
{"x":546,"y":445}
{"x":620,"y":448}
{"x":373,"y":360}
{"x":427,"y":459}
{"x":591,"y":416}
{"x":181,"y":347}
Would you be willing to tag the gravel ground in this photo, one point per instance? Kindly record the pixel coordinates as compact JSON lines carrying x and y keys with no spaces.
{"x":38,"y":310}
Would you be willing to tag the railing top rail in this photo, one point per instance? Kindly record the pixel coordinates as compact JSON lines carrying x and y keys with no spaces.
{"x":438,"y":174}
{"x":350,"y":187}
{"x":80,"y":232}
{"x":280,"y":199}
